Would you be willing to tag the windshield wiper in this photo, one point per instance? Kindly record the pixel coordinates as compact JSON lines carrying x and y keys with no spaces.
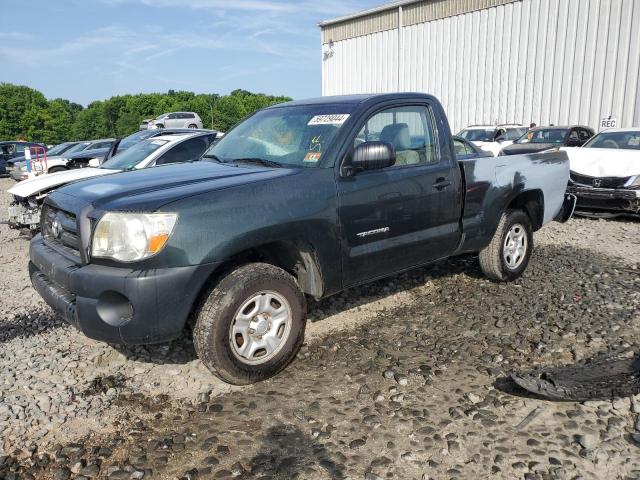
{"x":260,"y":161}
{"x":213,"y":157}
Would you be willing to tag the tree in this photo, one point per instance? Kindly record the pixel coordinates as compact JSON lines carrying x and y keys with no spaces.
{"x":26,"y":112}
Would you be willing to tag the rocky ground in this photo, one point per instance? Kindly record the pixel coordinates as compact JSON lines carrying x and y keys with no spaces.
{"x":404,"y":378}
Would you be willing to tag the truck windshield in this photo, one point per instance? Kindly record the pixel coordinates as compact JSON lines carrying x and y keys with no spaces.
{"x":545,"y":135}
{"x":478,"y":135}
{"x":78,"y":148}
{"x":621,"y":140}
{"x":133,"y":156}
{"x":58,"y":149}
{"x":296,"y":136}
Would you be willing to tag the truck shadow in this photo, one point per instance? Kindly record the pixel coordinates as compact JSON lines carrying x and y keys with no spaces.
{"x":29,"y":324}
{"x":182,"y":351}
{"x":286,"y":452}
{"x":549,"y":261}
{"x":364,"y":294}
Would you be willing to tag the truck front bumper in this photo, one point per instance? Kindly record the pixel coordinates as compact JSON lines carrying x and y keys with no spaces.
{"x":24,"y":217}
{"x":116,"y":305}
{"x":606,"y":202}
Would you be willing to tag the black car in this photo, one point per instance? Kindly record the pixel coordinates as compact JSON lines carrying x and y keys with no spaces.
{"x":545,"y":138}
{"x":10,"y":150}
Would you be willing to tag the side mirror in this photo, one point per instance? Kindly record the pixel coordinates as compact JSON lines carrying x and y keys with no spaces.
{"x":370,"y":156}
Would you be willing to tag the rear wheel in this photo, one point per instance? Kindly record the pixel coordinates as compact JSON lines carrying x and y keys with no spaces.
{"x":251,"y":325}
{"x":193,"y":126}
{"x":56,"y":169}
{"x":507,"y":256}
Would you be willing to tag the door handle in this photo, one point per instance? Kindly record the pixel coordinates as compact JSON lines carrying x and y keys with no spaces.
{"x":441,"y":184}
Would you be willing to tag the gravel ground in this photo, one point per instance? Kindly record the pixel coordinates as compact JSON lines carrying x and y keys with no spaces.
{"x":403,"y":378}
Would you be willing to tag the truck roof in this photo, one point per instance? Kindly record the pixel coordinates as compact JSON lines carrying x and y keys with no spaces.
{"x":354,"y":99}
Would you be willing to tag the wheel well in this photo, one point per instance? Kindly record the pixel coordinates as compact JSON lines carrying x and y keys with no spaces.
{"x":532,"y":203}
{"x":297,"y":258}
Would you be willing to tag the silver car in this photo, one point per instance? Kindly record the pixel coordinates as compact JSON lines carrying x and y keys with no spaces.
{"x":177,"y":120}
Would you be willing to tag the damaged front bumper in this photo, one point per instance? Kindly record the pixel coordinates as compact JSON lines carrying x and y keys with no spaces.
{"x":606,"y":202}
{"x":24,"y":216}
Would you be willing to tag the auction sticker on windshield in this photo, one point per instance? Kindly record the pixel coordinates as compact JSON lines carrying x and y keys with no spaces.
{"x":334,"y":119}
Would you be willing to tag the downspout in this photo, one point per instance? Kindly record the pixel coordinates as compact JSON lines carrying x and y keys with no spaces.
{"x":400,"y":48}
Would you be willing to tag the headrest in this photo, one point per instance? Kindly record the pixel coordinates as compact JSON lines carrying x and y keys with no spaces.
{"x":397,"y":135}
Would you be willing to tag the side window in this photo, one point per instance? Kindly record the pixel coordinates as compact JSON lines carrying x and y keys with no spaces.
{"x":573,"y":136}
{"x":20,"y":147}
{"x":191,"y":149}
{"x":584,"y":134}
{"x":460,"y":147}
{"x":410,"y":130}
{"x":101,"y":145}
{"x":189,"y":115}
{"x":172,"y":116}
{"x":8,"y":149}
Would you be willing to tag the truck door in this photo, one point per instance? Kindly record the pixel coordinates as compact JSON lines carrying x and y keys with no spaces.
{"x":405,"y":215}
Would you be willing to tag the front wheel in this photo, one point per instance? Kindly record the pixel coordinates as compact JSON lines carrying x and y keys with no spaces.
{"x":507,"y":256}
{"x":251,"y":325}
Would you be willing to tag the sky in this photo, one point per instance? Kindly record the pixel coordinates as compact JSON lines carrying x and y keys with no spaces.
{"x":86,"y":50}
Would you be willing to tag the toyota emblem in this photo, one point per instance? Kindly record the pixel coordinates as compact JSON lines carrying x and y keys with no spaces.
{"x":597,"y":182}
{"x":56,"y":228}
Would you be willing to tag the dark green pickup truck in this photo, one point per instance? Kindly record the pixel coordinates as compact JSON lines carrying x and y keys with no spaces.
{"x":303,"y":199}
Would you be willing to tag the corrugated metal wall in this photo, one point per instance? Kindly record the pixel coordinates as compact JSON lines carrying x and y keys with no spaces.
{"x":546,"y":61}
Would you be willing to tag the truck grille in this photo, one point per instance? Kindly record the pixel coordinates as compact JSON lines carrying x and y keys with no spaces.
{"x":599,"y":182}
{"x":60,"y":228}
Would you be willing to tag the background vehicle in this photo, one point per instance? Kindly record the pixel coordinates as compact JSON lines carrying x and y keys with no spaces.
{"x":540,"y":139}
{"x":10,"y":150}
{"x":466,"y":150}
{"x":51,"y":152}
{"x":296,"y":200}
{"x":144,"y":124}
{"x":24,"y":211}
{"x":177,"y":120}
{"x":492,"y":138}
{"x":75,"y":157}
{"x":136,"y":137}
{"x":605,"y":174}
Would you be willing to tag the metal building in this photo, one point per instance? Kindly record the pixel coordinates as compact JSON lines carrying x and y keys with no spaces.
{"x":495,"y":61}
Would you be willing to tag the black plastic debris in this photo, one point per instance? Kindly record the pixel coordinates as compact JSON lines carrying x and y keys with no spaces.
{"x":600,"y":378}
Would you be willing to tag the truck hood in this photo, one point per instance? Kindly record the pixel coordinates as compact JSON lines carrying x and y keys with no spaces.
{"x":43,"y":183}
{"x":521,"y":148}
{"x":148,"y":189}
{"x":604,"y":162}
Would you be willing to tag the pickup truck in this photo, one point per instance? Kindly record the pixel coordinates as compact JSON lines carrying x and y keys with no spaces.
{"x":300,"y":200}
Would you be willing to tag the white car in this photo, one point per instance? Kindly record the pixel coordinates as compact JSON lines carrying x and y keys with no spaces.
{"x":605,"y":174}
{"x":176,"y":120}
{"x":24,"y":211}
{"x":493,"y":138}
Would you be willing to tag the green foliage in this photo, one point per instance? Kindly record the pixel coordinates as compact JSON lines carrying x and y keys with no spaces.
{"x":26,"y":113}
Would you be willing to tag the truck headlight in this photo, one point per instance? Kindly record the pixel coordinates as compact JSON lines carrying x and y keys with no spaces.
{"x":634,"y":182}
{"x":129,"y":237}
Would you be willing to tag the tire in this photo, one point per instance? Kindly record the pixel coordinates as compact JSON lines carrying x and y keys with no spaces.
{"x":227,"y":309}
{"x":505,"y":266}
{"x":159,"y":126}
{"x":192,"y":126}
{"x":56,"y":169}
